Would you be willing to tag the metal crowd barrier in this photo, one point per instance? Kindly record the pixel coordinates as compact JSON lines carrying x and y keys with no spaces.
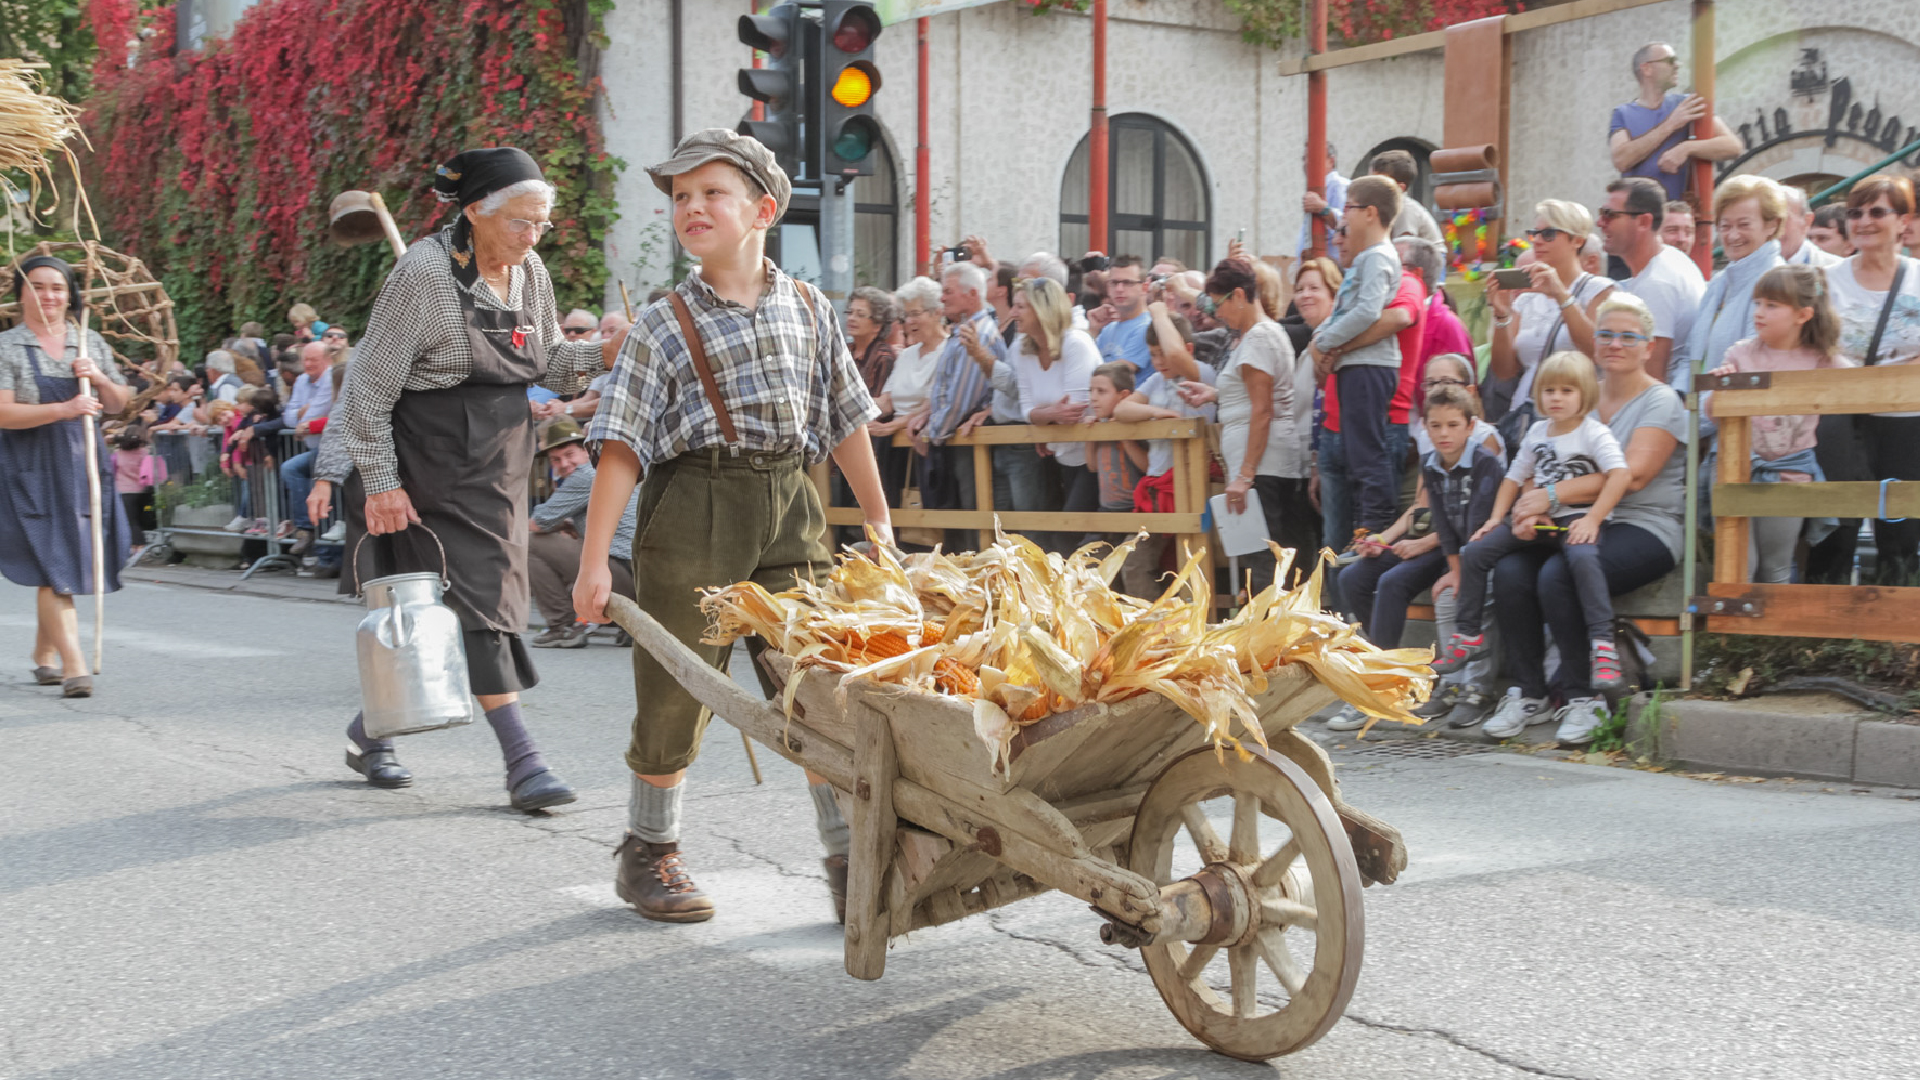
{"x":192,"y":462}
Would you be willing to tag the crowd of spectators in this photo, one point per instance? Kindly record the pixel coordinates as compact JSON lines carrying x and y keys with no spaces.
{"x":1519,"y":484}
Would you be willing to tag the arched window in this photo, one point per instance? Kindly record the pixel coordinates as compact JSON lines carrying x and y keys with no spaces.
{"x":876,"y":224}
{"x":1157,"y":198}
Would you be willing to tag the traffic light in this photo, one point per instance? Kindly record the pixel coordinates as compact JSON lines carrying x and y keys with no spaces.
{"x":844,"y":96}
{"x":781,"y":35}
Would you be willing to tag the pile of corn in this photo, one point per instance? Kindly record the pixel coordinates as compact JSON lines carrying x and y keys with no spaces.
{"x":1024,"y":634}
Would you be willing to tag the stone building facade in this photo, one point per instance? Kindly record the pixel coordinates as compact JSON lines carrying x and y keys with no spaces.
{"x":1209,"y":135}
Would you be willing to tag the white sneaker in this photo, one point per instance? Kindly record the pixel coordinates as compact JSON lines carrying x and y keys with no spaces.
{"x":336,"y":533}
{"x":1515,"y":713}
{"x":237,"y":524}
{"x":1579,"y":719}
{"x":1347,"y":719}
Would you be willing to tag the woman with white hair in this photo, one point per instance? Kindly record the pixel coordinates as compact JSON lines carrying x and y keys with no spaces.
{"x":1749,"y":213}
{"x":436,"y":423}
{"x":223,"y":380}
{"x":905,"y":391}
{"x":1547,"y":317}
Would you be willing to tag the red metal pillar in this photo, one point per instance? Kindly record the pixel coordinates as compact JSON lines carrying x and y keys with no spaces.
{"x":922,"y":163}
{"x":1317,"y":121}
{"x":1097,"y":231}
{"x":1703,"y":129}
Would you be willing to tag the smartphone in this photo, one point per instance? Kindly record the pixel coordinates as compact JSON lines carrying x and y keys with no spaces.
{"x":1513,"y":278}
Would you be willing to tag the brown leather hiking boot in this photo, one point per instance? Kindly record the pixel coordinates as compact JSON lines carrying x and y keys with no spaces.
{"x":655,"y":881}
{"x":837,"y":885}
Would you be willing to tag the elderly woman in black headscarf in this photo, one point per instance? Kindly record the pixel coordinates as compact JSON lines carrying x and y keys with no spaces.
{"x":435,"y":426}
{"x":46,"y":538}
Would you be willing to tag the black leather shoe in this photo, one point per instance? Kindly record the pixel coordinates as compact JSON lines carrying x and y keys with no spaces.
{"x":541,"y":790}
{"x":380,"y":767}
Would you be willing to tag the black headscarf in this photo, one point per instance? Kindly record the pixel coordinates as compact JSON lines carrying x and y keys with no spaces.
{"x":472,"y":175}
{"x":34,"y":262}
{"x":468,"y":177}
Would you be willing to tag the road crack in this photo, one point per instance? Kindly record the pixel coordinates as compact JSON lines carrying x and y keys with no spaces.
{"x":1456,"y":1040}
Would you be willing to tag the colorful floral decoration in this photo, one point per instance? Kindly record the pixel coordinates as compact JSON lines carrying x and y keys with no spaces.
{"x":1471,"y":247}
{"x":216,"y":166}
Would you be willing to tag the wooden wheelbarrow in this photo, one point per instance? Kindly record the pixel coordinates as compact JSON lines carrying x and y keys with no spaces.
{"x":1254,"y":941}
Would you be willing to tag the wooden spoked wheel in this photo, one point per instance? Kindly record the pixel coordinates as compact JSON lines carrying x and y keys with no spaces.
{"x":1267,"y":965}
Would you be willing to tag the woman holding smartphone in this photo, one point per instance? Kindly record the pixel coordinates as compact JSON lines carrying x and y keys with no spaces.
{"x":1550,"y":315}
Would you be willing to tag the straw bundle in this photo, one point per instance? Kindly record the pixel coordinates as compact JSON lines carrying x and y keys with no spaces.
{"x":33,"y":125}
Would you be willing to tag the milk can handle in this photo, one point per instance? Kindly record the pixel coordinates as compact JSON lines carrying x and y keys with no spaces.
{"x":444,"y":582}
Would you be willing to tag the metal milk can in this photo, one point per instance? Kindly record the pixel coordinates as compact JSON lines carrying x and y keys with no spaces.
{"x":413,"y":665}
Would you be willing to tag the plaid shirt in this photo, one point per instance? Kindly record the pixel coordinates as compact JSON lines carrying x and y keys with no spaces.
{"x":416,"y":339}
{"x":959,"y":387}
{"x":783,"y":370}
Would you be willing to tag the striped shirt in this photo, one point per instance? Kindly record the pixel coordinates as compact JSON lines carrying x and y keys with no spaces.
{"x":416,"y":339}
{"x":960,"y":388}
{"x":783,"y":371}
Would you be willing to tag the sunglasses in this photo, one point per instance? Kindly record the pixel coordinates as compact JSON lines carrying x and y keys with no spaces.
{"x":1607,"y":213}
{"x":1861,"y":213}
{"x":1547,"y":234}
{"x":577,"y":329}
{"x":1207,"y":305}
{"x":1624,"y":337}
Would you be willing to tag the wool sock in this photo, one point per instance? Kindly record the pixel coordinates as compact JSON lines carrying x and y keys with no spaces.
{"x":516,"y":746}
{"x":357,"y":731}
{"x":653,"y":813}
{"x":834,"y":834}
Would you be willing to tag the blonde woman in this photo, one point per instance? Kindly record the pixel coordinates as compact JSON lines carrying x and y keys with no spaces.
{"x":1551,"y":314}
{"x":1054,"y":364}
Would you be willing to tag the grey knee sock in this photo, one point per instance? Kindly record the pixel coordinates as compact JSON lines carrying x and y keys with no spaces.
{"x":834,"y":834}
{"x":516,"y":746}
{"x":653,"y":813}
{"x":357,"y":731}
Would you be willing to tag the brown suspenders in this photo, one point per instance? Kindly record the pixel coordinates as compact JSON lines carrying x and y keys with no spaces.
{"x":697,"y":349}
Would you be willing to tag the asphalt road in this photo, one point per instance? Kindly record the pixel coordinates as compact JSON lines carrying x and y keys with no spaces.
{"x":192,"y":886}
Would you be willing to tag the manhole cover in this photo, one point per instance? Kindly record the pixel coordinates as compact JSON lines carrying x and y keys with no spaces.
{"x":1420,"y":748}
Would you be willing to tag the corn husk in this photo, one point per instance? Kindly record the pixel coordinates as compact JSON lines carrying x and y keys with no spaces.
{"x":1022,"y":634}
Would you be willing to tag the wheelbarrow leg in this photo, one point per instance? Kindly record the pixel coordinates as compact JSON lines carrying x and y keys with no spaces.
{"x":874,"y":826}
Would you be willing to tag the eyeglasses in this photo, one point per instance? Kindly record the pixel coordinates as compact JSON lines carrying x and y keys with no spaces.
{"x":577,"y":329}
{"x":1114,"y":283}
{"x":1860,"y":213}
{"x":1608,"y":213}
{"x":1207,"y":304}
{"x":337,"y":335}
{"x":1444,"y":382}
{"x":1624,"y":337}
{"x":1547,"y":234}
{"x":522,"y":225}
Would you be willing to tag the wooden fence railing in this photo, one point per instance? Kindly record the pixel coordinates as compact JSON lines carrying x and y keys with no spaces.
{"x":1190,"y":486}
{"x":1733,"y":605}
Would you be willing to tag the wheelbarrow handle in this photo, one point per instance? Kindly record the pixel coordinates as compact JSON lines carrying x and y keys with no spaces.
{"x":709,"y":686}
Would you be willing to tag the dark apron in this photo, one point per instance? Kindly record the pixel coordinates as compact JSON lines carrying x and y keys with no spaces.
{"x":46,"y":531}
{"x":465,"y":454}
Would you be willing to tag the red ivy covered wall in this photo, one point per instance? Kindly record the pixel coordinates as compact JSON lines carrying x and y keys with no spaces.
{"x":216,"y":166}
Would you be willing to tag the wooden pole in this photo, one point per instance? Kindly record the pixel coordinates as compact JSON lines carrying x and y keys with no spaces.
{"x":386,"y":224}
{"x":92,"y":436}
{"x":1097,"y":229}
{"x":923,"y":161}
{"x":626,"y":301}
{"x":1703,"y":129}
{"x":1317,"y":123}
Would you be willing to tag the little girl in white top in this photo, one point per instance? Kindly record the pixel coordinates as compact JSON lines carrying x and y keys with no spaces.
{"x":1570,"y":442}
